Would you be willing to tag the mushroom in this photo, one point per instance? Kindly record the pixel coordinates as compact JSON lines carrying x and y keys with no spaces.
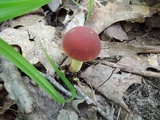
{"x":82,"y":44}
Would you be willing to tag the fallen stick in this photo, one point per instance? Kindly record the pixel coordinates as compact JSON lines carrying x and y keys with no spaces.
{"x":104,"y":114}
{"x":128,"y":69}
{"x":14,"y":84}
{"x":108,"y":115}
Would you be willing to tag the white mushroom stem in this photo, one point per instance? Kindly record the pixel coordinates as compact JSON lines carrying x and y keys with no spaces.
{"x":75,"y":65}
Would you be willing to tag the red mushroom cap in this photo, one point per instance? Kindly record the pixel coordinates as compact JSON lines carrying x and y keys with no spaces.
{"x":81,"y":43}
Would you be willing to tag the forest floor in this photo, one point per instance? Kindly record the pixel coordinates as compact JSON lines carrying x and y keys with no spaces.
{"x":122,"y":83}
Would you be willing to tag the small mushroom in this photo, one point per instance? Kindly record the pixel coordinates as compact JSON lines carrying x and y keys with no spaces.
{"x":81,"y":44}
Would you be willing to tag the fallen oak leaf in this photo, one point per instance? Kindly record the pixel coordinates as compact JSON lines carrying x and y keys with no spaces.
{"x":116,"y":31}
{"x":110,"y":49}
{"x":142,"y":62}
{"x":105,"y":16}
{"x":112,"y":88}
{"x":31,"y":50}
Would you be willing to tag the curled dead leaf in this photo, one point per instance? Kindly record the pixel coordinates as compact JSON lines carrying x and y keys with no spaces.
{"x":103,"y":17}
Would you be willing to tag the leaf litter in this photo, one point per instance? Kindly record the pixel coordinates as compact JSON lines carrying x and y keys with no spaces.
{"x":28,"y":37}
{"x":107,"y":19}
{"x":112,"y":87}
{"x":105,"y":16}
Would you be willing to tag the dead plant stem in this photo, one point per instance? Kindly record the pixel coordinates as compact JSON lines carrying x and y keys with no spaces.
{"x":128,"y":69}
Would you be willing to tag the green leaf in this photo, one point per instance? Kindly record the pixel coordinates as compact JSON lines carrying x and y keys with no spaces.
{"x":13,"y":8}
{"x":60,"y":74}
{"x":75,"y":2}
{"x":89,"y":9}
{"x":16,"y":58}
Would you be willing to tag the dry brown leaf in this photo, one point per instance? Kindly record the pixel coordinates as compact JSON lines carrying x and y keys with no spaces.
{"x":110,"y":49}
{"x":142,"y":63}
{"x":83,"y":109}
{"x":114,"y":86}
{"x":7,"y":103}
{"x":116,"y":31}
{"x":103,"y":17}
{"x":31,"y":49}
{"x":78,"y":20}
{"x":27,"y":20}
{"x":67,"y":115}
{"x":76,"y":103}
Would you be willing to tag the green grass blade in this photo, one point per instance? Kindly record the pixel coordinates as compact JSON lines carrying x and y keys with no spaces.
{"x":89,"y":9}
{"x":15,"y":57}
{"x":13,"y":8}
{"x":75,"y":2}
{"x":61,"y":75}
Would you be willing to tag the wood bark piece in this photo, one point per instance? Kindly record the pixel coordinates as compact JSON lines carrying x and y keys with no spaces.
{"x":17,"y":90}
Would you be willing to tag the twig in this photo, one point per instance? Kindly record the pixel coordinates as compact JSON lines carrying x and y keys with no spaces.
{"x":82,"y":95}
{"x":119,"y":112}
{"x":126,"y":68}
{"x":57,"y":85}
{"x":104,"y":114}
{"x":107,"y":78}
{"x":17,"y":90}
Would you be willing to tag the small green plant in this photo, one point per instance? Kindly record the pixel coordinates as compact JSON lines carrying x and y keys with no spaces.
{"x":13,"y":8}
{"x":89,"y":8}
